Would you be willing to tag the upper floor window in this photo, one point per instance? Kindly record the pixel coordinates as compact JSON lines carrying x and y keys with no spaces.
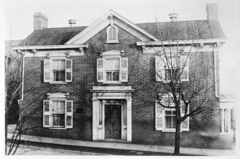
{"x":172,"y":68}
{"x":112,"y":34}
{"x":58,"y":70}
{"x":58,"y":111}
{"x":112,"y":68}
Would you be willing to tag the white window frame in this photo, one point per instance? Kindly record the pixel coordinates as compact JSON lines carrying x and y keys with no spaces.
{"x":53,"y":97}
{"x":50,"y":70}
{"x":168,"y":129}
{"x":162,"y":116}
{"x":113,"y":54}
{"x":160,"y":67}
{"x":108,"y":34}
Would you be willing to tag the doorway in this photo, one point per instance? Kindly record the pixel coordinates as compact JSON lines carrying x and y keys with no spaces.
{"x":113,"y":121}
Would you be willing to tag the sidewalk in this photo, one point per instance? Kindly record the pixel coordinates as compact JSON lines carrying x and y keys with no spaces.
{"x":35,"y":150}
{"x":126,"y":146}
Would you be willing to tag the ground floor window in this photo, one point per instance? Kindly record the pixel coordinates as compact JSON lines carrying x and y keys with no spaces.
{"x":58,"y":113}
{"x":165,"y":118}
{"x":170,"y":119}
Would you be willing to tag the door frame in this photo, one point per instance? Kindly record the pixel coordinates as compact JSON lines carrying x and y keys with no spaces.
{"x":100,"y":93}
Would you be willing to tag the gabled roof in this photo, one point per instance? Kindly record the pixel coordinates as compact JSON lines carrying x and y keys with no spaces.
{"x":51,"y":36}
{"x":184,"y":30}
{"x":161,"y":31}
{"x":103,"y":22}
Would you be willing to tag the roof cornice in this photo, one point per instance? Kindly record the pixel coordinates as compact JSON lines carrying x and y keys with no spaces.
{"x":174,"y":42}
{"x":43,"y":47}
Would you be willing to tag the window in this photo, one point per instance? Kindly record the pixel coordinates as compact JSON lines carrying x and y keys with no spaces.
{"x":112,"y":68}
{"x":170,"y":68}
{"x":165,"y":118}
{"x":112,"y":34}
{"x":58,"y":70}
{"x":58,"y":112}
{"x":170,"y":119}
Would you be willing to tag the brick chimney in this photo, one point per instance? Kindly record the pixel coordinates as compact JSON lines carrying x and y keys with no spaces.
{"x":212,"y":11}
{"x":40,"y":21}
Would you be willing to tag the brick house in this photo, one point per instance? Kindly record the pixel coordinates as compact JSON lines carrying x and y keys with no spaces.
{"x":98,"y":82}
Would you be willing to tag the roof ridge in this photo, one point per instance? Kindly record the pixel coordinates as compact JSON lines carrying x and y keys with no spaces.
{"x":65,"y":27}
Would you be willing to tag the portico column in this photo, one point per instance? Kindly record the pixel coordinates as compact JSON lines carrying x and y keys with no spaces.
{"x":95,"y":118}
{"x":229,"y":120}
{"x":129,"y":119}
{"x":222,"y":121}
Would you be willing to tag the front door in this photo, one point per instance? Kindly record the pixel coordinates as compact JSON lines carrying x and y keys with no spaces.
{"x":113,"y":121}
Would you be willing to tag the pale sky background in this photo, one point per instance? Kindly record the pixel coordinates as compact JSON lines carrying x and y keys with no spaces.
{"x":18,"y":21}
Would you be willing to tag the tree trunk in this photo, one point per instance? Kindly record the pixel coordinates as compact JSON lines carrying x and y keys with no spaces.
{"x":6,"y":129}
{"x":178,"y":127}
{"x":177,"y":139}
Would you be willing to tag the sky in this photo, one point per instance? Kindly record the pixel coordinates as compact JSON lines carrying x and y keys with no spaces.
{"x":18,"y":21}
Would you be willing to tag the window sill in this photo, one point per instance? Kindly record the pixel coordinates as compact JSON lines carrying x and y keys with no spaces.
{"x":58,"y":82}
{"x":112,"y":82}
{"x":168,"y":81}
{"x":63,"y":128}
{"x":112,"y":41}
{"x":169,"y":130}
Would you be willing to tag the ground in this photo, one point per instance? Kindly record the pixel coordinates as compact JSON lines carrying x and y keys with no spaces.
{"x":32,"y":148}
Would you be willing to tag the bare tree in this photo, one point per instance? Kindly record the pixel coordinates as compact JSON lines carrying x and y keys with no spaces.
{"x":14,"y":81}
{"x":184,"y":75}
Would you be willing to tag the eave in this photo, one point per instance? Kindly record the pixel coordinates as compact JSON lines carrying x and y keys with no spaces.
{"x":182,"y":42}
{"x":49,"y":47}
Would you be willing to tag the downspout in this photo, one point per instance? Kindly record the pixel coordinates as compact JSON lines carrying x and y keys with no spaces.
{"x":22,"y":76}
{"x":216,"y":73}
{"x":22,"y":56}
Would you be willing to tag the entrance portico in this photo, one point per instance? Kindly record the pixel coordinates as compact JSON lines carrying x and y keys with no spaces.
{"x":227,"y":114}
{"x":112,"y":113}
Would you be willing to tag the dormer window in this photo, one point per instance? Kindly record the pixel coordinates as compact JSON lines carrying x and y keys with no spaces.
{"x":112,"y":34}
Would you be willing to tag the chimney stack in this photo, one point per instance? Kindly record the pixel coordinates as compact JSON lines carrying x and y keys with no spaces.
{"x":173,"y":17}
{"x":212,"y":11}
{"x":72,"y":22}
{"x":40,"y":21}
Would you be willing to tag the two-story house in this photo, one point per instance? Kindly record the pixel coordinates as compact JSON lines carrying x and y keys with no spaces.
{"x":98,"y":82}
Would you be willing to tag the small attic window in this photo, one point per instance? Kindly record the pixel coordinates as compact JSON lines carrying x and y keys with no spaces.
{"x":112,"y":34}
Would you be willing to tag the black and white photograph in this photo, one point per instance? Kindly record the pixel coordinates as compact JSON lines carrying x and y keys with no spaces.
{"x":120,"y":78}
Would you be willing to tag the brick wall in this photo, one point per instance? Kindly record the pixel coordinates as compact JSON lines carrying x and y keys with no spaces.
{"x":204,"y":128}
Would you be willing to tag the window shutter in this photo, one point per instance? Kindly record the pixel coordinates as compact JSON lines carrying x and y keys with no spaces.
{"x":185,"y":123}
{"x":184,"y":62}
{"x":159,"y":68}
{"x":68,"y":74}
{"x":100,"y":70}
{"x":159,"y":116}
{"x":124,"y":70}
{"x":47,"y":70}
{"x":47,"y":113}
{"x":69,"y":114}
